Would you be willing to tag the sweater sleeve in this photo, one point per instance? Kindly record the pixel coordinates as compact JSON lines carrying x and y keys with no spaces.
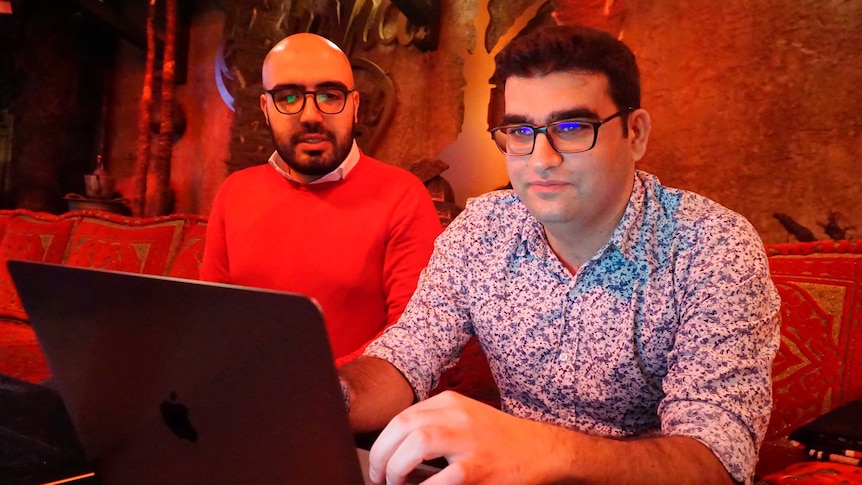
{"x":414,"y":225}
{"x":438,"y":321}
{"x":413,"y":229}
{"x":215,"y":265}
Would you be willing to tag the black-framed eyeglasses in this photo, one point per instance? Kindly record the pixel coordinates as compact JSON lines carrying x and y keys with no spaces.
{"x":330,"y":101}
{"x":565,"y":136}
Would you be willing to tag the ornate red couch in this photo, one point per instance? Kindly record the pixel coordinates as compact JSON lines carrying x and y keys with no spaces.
{"x":169,"y":245}
{"x":819,"y":363}
{"x":818,"y":367}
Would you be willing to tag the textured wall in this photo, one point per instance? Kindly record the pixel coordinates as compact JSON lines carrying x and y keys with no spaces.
{"x":198,"y":159}
{"x":428,"y":102}
{"x":428,"y":85}
{"x":198,"y":168}
{"x":756,"y":105}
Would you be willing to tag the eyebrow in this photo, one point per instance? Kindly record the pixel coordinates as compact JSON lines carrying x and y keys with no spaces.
{"x":303,"y":87}
{"x":576,"y":113}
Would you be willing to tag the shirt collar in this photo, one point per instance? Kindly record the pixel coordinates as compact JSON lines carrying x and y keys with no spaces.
{"x":534,"y":244}
{"x":533,"y":239}
{"x":339,"y":173}
{"x":624,"y":236}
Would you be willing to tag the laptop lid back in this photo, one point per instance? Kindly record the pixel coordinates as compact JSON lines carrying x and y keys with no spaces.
{"x":178,"y":381}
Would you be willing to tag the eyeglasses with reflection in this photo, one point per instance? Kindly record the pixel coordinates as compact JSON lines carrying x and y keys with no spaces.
{"x":565,"y":136}
{"x":330,"y":101}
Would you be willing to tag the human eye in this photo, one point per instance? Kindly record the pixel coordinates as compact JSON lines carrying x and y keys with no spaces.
{"x":329,"y":96}
{"x":520,"y":132}
{"x":571,"y":129}
{"x":287,"y":96}
{"x":568,"y":128}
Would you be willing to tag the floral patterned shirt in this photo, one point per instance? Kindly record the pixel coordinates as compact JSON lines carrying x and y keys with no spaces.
{"x":671,"y":328}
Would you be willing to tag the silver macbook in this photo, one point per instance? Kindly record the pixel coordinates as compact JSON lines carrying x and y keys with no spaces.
{"x":177,"y":381}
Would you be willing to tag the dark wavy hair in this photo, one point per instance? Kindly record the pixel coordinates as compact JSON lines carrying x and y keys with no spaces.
{"x":573,"y":48}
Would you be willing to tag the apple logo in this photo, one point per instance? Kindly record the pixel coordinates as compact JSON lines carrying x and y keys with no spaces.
{"x":176,"y":416}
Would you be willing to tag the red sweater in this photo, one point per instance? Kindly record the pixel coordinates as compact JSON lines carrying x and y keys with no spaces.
{"x":356,"y":246}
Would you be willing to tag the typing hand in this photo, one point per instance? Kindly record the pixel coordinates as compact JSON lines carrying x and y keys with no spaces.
{"x":481,"y":444}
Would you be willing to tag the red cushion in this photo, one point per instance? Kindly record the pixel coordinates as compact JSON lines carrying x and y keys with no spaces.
{"x":4,"y":219}
{"x":29,"y":239}
{"x":816,"y":473}
{"x":819,"y":363}
{"x":21,"y":355}
{"x":187,"y":262}
{"x":112,"y":246}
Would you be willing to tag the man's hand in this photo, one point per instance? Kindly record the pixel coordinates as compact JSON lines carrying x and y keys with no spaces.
{"x":486,"y":446}
{"x":481,"y":444}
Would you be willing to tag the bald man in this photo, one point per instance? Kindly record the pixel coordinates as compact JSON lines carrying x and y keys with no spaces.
{"x":321,"y":218}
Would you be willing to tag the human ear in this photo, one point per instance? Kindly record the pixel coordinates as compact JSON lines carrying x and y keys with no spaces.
{"x":356,"y":99}
{"x":639,"y":129}
{"x":263,"y":108}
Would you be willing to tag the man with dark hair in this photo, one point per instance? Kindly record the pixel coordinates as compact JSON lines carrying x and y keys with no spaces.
{"x":630,"y":327}
{"x":322,"y":218}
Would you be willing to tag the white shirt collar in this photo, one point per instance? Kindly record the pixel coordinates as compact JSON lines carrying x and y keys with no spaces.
{"x":337,"y":174}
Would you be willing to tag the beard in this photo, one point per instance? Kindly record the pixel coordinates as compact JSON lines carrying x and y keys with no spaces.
{"x":313,"y":162}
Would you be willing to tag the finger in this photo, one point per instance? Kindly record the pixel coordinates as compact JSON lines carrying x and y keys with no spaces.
{"x":445,"y":408}
{"x":392,"y":436}
{"x":420,"y":445}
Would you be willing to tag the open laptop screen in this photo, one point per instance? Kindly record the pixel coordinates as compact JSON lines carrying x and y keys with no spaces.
{"x":178,"y":381}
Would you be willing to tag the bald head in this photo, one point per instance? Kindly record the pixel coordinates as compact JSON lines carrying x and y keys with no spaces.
{"x":299,"y":73}
{"x":306,"y":59}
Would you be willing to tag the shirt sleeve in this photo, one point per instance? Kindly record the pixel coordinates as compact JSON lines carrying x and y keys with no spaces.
{"x":718,"y":386}
{"x":436,"y":323}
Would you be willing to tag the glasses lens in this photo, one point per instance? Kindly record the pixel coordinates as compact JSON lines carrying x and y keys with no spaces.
{"x":330,"y":101}
{"x":515,"y":140}
{"x":288,"y":101}
{"x":572,"y":136}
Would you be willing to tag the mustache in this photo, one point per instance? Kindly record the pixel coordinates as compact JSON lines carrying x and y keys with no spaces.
{"x":312,"y":129}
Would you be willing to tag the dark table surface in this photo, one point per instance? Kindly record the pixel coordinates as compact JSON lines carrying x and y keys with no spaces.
{"x":37,"y":441}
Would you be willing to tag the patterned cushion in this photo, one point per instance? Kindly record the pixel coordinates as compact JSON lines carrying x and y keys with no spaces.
{"x":819,"y":363}
{"x":187,"y":263}
{"x":29,"y":239}
{"x":103,"y":244}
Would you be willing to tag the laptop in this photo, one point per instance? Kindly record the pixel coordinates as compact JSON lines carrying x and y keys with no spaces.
{"x":180,"y":381}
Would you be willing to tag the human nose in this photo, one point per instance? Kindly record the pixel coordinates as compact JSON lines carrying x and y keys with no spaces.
{"x":310,"y":110}
{"x":544,"y":155}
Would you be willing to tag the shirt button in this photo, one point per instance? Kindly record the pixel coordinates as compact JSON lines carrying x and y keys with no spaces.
{"x":564,"y":357}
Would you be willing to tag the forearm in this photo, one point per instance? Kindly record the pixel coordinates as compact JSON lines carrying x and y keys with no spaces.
{"x":378,"y":392}
{"x":665,"y":460}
